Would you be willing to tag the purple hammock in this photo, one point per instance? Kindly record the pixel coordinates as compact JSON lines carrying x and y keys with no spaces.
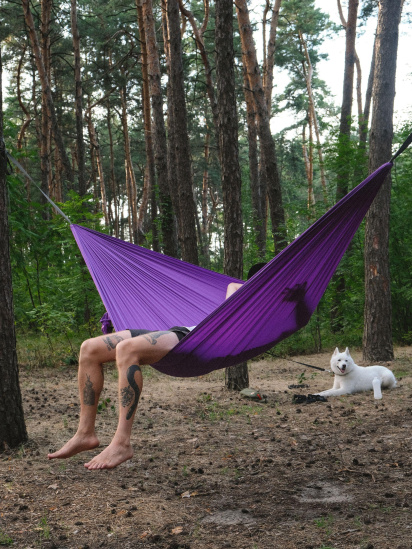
{"x":145,"y":289}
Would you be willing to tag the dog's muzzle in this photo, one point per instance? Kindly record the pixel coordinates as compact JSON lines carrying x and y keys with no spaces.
{"x":342,"y":369}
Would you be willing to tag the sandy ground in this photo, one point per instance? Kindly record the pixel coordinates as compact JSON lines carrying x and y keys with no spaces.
{"x":214,"y":470}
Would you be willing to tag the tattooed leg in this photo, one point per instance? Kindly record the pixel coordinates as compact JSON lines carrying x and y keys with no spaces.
{"x":112,"y":340}
{"x":133,"y":386}
{"x":93,"y":353}
{"x":89,"y":394}
{"x":154,"y":336}
{"x":144,"y":349}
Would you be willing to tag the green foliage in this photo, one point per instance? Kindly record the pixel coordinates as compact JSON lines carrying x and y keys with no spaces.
{"x":38,"y":350}
{"x":5,"y":539}
{"x":53,"y":291}
{"x":104,"y":404}
{"x":55,"y":300}
{"x":400,"y":242}
{"x":299,"y":19}
{"x":44,"y":528}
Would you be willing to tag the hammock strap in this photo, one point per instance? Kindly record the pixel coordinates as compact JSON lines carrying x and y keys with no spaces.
{"x":404,"y":146}
{"x":297,"y":362}
{"x":23,"y":171}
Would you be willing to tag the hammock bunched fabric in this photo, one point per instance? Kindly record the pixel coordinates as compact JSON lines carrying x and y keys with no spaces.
{"x":144,"y":289}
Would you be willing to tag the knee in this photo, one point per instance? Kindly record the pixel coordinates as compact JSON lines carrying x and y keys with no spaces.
{"x":89,"y":349}
{"x":126,"y":353}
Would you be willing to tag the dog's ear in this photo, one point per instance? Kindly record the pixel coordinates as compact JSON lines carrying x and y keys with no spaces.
{"x":336,"y":352}
{"x":347,"y":351}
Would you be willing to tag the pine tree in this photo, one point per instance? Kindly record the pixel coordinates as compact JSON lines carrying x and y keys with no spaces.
{"x":12,"y":425}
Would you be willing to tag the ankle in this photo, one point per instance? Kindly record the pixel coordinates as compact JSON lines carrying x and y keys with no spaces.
{"x":86,"y":432}
{"x":121,"y":439}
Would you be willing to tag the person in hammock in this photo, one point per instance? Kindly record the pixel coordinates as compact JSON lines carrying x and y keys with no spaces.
{"x":130,"y":349}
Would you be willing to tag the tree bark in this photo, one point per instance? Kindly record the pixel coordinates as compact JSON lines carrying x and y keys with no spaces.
{"x":94,"y":142}
{"x":149,"y":186}
{"x":187,"y":221}
{"x":308,"y":72}
{"x":171,"y":156}
{"x":368,"y":100}
{"x":347,"y":97}
{"x":159,"y":133}
{"x":12,"y":426}
{"x":78,"y":101}
{"x":112,"y":180}
{"x":343,"y":176}
{"x":26,"y":123}
{"x":204,"y":230}
{"x":46,"y":89}
{"x":267,"y":145}
{"x":257,"y":183}
{"x":130,"y":177}
{"x":199,"y":34}
{"x":45,"y":136}
{"x":269,"y":62}
{"x":237,"y":377}
{"x":377,"y":335}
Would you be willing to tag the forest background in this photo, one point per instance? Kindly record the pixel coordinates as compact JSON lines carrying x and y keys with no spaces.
{"x":115,"y":109}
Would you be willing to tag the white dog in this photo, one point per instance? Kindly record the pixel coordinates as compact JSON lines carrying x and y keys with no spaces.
{"x":351,"y":378}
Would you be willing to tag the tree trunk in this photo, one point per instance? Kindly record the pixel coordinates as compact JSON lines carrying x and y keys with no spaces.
{"x":237,"y":377}
{"x":94,"y":142}
{"x":308,"y":72}
{"x":377,"y":335}
{"x":205,"y":192}
{"x":308,"y":161}
{"x":26,"y":123}
{"x":270,"y":56}
{"x":159,"y":133}
{"x":45,"y":136}
{"x":198,"y":34}
{"x":78,"y":101}
{"x":46,"y":89}
{"x":130,"y":177}
{"x":343,"y":176}
{"x":187,"y":221}
{"x":347,"y":97}
{"x":257,"y":184}
{"x":368,"y":100}
{"x":12,"y":426}
{"x":171,"y":157}
{"x":149,"y":174}
{"x":267,"y":145}
{"x":143,"y":214}
{"x":113,"y":186}
{"x":359,"y":93}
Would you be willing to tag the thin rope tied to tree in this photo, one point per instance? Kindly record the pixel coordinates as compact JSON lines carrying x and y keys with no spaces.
{"x":24,"y":172}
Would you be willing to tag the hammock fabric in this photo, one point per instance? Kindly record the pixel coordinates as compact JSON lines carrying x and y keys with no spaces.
{"x":144,"y":289}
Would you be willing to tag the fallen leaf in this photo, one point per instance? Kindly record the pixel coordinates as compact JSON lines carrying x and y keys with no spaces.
{"x":177,"y":530}
{"x":53,"y":486}
{"x":189,"y":494}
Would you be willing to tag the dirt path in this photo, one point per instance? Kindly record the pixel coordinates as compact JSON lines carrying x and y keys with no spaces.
{"x":213,"y":470}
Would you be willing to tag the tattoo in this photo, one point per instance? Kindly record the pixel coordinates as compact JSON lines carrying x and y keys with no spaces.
{"x":133,"y":385}
{"x":89,"y":395}
{"x":154,"y":336}
{"x":110,"y":343}
{"x":126,"y":396}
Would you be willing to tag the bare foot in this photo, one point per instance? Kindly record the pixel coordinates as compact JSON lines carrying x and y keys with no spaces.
{"x":79,"y":443}
{"x":112,"y":456}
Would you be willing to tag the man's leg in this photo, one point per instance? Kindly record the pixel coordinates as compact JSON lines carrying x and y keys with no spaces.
{"x":130,"y":354}
{"x":93,"y":354}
